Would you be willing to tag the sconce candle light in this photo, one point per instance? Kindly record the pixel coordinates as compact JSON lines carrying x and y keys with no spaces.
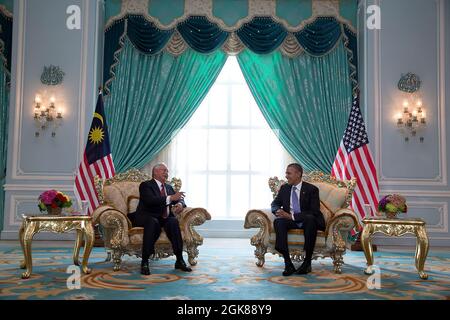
{"x":412,"y":119}
{"x":46,"y":116}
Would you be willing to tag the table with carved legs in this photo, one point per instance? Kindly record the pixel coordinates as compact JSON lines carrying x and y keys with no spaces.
{"x":58,"y":224}
{"x":396,"y":228}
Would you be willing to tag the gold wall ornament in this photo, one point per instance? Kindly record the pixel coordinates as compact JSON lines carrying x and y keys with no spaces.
{"x":57,"y":224}
{"x":52,"y":75}
{"x":396,"y":228}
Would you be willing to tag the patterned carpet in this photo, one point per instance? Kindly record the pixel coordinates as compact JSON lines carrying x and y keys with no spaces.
{"x":222,"y":274}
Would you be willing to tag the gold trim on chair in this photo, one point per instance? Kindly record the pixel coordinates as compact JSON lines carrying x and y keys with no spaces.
{"x":330,"y":243}
{"x":122,"y":238}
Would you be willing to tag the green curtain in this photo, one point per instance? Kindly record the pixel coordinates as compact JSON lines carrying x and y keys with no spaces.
{"x":152,"y":97}
{"x":4,"y":101}
{"x":306,"y":101}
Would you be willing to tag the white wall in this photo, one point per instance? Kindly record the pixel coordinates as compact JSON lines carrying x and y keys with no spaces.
{"x":414,"y":37}
{"x":41,"y":38}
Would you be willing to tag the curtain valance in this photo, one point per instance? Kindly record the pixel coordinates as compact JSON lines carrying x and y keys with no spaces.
{"x":261,"y":35}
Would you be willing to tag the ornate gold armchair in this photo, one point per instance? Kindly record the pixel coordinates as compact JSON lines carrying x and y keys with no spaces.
{"x":118,"y":197}
{"x":335,"y":197}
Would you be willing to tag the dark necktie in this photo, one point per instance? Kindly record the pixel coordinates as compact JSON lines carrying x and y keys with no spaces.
{"x":165,"y":210}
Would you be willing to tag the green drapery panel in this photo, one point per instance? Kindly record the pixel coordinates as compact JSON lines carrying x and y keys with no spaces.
{"x":4,"y":101}
{"x":152,"y":97}
{"x":306,"y":101}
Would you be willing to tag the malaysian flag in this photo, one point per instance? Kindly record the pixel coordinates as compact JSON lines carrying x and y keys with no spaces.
{"x":354,"y":159}
{"x":97,"y":159}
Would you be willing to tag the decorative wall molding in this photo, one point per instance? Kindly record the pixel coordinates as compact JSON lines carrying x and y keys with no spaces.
{"x":417,"y":193}
{"x":441,"y":178}
{"x":16,"y":172}
{"x":37,"y":187}
{"x":15,"y":217}
{"x":441,"y":208}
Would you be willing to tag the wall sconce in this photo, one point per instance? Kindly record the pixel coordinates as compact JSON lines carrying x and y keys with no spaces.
{"x":46,"y":116}
{"x":412,"y":117}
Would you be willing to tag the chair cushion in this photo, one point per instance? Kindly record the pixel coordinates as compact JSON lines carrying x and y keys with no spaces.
{"x":133,"y":202}
{"x":327,"y":214}
{"x":296,"y":237}
{"x":117,"y":194}
{"x":136,"y":235}
{"x":332,"y":196}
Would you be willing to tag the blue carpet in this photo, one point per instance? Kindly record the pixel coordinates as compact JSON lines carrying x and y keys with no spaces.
{"x":222,"y":274}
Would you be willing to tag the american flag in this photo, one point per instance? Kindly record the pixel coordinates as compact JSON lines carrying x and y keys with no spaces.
{"x":97,"y":159}
{"x":354,"y":159}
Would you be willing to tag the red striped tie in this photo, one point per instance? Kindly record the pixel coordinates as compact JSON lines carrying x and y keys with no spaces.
{"x":163,"y":193}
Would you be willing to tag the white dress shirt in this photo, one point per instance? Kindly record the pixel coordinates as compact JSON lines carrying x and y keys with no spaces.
{"x":299,"y":187}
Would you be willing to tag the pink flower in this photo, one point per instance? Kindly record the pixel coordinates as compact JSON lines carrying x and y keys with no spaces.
{"x":47,"y":197}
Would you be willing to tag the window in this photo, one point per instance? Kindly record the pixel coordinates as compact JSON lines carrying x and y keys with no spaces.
{"x":227,"y":151}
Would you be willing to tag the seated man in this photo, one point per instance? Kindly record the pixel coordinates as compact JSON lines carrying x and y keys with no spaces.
{"x":158,"y":204}
{"x":297,"y":206}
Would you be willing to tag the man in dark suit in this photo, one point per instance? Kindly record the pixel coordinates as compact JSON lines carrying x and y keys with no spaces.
{"x":297,"y":206}
{"x":158,"y":204}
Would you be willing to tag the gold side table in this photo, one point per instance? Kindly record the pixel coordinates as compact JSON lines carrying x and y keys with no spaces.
{"x":396,"y":228}
{"x":58,"y":224}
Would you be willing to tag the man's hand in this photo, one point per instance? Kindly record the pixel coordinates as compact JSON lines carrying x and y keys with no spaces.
{"x":177,"y":196}
{"x":283,"y":214}
{"x":176,"y":209}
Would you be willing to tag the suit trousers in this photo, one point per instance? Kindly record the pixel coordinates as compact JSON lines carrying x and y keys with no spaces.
{"x":152,"y":230}
{"x":282,"y":226}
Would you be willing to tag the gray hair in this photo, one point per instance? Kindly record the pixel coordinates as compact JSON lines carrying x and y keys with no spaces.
{"x":157,"y":166}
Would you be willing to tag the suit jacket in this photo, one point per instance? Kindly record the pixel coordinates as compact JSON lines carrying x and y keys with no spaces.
{"x":309,"y":202}
{"x":152,"y":202}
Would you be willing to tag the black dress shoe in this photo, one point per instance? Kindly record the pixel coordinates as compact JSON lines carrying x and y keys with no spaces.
{"x":145,"y":270}
{"x":180,"y":264}
{"x":305,"y":268}
{"x":288,"y":270}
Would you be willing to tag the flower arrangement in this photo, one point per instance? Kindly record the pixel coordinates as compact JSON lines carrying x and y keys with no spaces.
{"x":392,"y":204}
{"x":53,"y":199}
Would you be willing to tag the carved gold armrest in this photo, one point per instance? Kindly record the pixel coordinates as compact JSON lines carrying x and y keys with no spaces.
{"x":259,"y":219}
{"x":110,"y":218}
{"x":189,"y":218}
{"x":343,"y":220}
